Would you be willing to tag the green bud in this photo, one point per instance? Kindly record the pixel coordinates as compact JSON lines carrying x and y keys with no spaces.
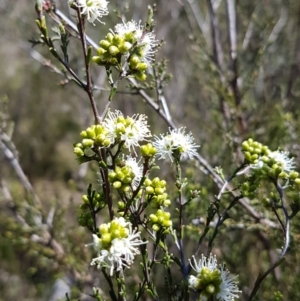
{"x":104,"y":44}
{"x":210,"y":289}
{"x":150,"y":190}
{"x":106,"y":238}
{"x":83,"y":134}
{"x":140,"y":76}
{"x":85,"y":199}
{"x":124,"y":47}
{"x":90,"y":133}
{"x":147,"y":182}
{"x":294,"y":175}
{"x":121,"y":205}
{"x":117,"y":185}
{"x":283,"y":175}
{"x":153,"y":218}
{"x":142,"y":66}
{"x":247,"y":156}
{"x":159,"y":190}
{"x":155,"y":227}
{"x":129,"y":36}
{"x":117,"y":40}
{"x":101,"y":51}
{"x":87,"y":142}
{"x":134,"y":61}
{"x":99,"y":60}
{"x":126,"y":188}
{"x":127,"y":180}
{"x":109,"y":37}
{"x":167,"y":203}
{"x":113,"y":50}
{"x":78,"y":152}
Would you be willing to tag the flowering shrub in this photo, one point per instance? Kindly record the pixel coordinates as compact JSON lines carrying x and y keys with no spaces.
{"x":135,"y":217}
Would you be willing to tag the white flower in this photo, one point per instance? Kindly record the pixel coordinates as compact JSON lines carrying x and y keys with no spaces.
{"x":117,"y":245}
{"x":228,"y":289}
{"x":146,"y":41}
{"x":283,"y":160}
{"x":176,"y":142}
{"x":92,"y":9}
{"x":212,"y":280}
{"x":130,"y":130}
{"x":136,"y":169}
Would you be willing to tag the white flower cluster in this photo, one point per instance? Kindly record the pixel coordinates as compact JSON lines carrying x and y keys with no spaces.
{"x":92,"y":9}
{"x":212,"y":280}
{"x":130,"y":130}
{"x":136,"y":33}
{"x":174,"y":144}
{"x":117,"y":245}
{"x":280,"y":158}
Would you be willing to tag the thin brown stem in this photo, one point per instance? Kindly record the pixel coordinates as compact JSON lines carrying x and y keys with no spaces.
{"x":88,"y":86}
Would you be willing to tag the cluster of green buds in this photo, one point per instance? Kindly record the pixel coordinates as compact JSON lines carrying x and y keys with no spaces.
{"x":121,"y":178}
{"x":208,"y":282}
{"x":270,"y":164}
{"x":248,"y":188}
{"x":156,"y":193}
{"x":93,"y":202}
{"x":148,"y":150}
{"x":253,"y":151}
{"x":160,"y":221}
{"x":131,"y":41}
{"x":108,"y":232}
{"x":93,"y":137}
{"x":111,"y":50}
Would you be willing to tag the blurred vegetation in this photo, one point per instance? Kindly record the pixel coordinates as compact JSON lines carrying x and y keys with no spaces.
{"x":221,"y":100}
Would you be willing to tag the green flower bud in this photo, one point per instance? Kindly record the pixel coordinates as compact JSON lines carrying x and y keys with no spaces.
{"x":127,"y":180}
{"x":155,"y":227}
{"x":140,"y":76}
{"x":87,"y":142}
{"x":117,"y":185}
{"x":78,"y":152}
{"x":156,"y":182}
{"x":210,"y":289}
{"x":294,"y":175}
{"x":98,"y":60}
{"x":283,"y":175}
{"x":159,"y":190}
{"x":112,"y":176}
{"x":85,"y":199}
{"x":124,"y":47}
{"x":83,"y":134}
{"x":106,"y":238}
{"x":109,"y":37}
{"x":147,"y":182}
{"x":134,"y":61}
{"x":247,"y":156}
{"x":121,"y":205}
{"x":104,"y":44}
{"x":126,"y":188}
{"x":149,"y":190}
{"x":90,"y":133}
{"x":113,"y":50}
{"x":153,"y":218}
{"x":117,"y":40}
{"x":101,"y":51}
{"x":142,"y":66}
{"x":129,"y":36}
{"x":167,"y":203}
